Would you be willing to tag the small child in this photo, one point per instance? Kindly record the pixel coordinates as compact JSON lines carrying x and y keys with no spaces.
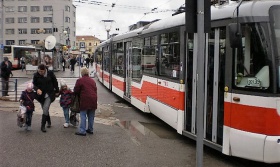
{"x":27,"y":99}
{"x":65,"y":101}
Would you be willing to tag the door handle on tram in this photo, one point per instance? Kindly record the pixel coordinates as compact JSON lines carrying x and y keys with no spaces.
{"x":159,"y":82}
{"x":236,"y":99}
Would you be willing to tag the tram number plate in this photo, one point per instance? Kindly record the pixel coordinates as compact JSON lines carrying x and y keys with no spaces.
{"x":254,"y":82}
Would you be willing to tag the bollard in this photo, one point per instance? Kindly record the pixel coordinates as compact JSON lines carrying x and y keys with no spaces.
{"x":16,"y":90}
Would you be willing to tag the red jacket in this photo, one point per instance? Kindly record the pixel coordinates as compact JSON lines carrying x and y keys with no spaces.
{"x":86,"y":88}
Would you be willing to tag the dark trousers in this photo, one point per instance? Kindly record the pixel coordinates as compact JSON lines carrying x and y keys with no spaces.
{"x":5,"y":86}
{"x":72,"y":67}
{"x":29,"y":117}
{"x":63,"y":67}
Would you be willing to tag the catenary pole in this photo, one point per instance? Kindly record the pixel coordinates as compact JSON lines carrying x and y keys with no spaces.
{"x":2,"y":31}
{"x":200,"y":81}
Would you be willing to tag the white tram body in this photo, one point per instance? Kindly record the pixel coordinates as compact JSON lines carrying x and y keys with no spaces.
{"x":153,"y":68}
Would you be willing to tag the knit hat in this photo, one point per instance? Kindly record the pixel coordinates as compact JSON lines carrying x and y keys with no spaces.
{"x":62,"y":83}
{"x":29,"y":86}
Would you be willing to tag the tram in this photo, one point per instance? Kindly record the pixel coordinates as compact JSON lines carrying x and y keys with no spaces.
{"x":154,"y":68}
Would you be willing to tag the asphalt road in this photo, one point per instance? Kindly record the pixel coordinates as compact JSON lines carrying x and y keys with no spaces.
{"x":123,"y":137}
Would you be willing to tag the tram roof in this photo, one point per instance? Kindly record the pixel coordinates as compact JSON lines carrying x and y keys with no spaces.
{"x":227,"y":11}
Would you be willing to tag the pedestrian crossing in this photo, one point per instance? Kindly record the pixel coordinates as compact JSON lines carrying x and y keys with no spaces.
{"x":15,"y":95}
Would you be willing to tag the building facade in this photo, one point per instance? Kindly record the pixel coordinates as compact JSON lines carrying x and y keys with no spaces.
{"x":28,"y":22}
{"x":90,"y":43}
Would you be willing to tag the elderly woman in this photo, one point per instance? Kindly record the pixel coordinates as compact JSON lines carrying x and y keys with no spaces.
{"x":86,"y":88}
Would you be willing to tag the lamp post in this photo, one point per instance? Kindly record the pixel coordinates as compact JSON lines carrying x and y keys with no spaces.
{"x":41,"y":31}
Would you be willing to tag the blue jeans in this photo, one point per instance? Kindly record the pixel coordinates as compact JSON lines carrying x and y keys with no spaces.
{"x":46,"y":106}
{"x":86,"y":114}
{"x":66,"y":114}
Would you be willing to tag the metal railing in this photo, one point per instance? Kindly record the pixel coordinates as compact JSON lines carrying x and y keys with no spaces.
{"x":15,"y":81}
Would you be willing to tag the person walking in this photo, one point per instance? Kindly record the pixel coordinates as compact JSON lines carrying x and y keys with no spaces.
{"x":46,"y":86}
{"x":27,"y":100}
{"x":72,"y":63}
{"x":6,"y":72}
{"x":22,"y":63}
{"x":65,"y":101}
{"x":86,"y":88}
{"x":87,"y":62}
{"x":63,"y":61}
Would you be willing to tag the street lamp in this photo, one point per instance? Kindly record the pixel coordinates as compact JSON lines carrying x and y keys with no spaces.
{"x":67,"y":32}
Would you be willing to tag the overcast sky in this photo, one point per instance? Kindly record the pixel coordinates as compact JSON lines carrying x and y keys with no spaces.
{"x":89,"y":15}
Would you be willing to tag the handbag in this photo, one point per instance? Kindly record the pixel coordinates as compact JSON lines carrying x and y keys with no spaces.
{"x":21,"y":116}
{"x":75,"y":105}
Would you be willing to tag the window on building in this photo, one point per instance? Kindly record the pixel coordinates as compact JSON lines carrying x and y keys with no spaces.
{"x":35,"y":19}
{"x":9,"y":20}
{"x":47,"y":19}
{"x":10,"y":42}
{"x":47,"y":8}
{"x":9,"y":9}
{"x":34,"y":30}
{"x":10,"y":31}
{"x":22,"y":9}
{"x":35,"y":41}
{"x":67,"y":8}
{"x":67,"y":19}
{"x":89,"y":44}
{"x":22,"y":20}
{"x":35,"y":8}
{"x":74,"y":14}
{"x":22,"y":42}
{"x":22,"y":31}
{"x":48,"y":30}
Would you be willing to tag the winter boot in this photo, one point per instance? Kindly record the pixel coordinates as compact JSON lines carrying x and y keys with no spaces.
{"x":43,"y":123}
{"x":49,"y":123}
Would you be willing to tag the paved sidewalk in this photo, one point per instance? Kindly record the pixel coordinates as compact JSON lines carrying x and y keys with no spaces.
{"x":103,"y":113}
{"x":59,"y":73}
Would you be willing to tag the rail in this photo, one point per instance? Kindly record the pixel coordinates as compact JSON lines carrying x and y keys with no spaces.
{"x":3,"y":83}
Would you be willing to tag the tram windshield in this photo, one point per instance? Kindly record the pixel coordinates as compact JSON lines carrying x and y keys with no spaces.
{"x":252,"y":62}
{"x":275,"y":24}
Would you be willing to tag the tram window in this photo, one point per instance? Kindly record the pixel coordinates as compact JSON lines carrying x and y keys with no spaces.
{"x":275,"y":24}
{"x":117,"y":59}
{"x":148,"y":60}
{"x":106,"y":59}
{"x":137,"y":47}
{"x":164,"y":38}
{"x":251,"y":61}
{"x":170,"y":61}
{"x":98,"y":57}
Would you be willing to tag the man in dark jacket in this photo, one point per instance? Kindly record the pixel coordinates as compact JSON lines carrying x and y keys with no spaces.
{"x":6,"y":72}
{"x":46,"y":86}
{"x":72,"y":63}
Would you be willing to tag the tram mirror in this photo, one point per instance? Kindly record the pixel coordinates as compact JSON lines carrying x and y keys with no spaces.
{"x":235,"y":38}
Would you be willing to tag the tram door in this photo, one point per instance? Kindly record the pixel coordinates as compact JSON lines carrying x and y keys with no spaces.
{"x":214,"y":85}
{"x":128,"y":70}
